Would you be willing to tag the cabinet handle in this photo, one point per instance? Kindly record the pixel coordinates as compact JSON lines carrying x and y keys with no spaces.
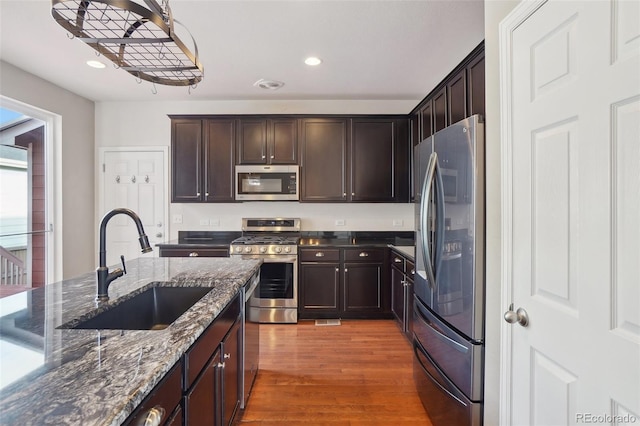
{"x":206,"y":194}
{"x":397,"y":260}
{"x":273,"y":156}
{"x":154,"y":416}
{"x":264,"y":156}
{"x":337,"y":269}
{"x":193,"y":254}
{"x":198,"y":194}
{"x":346,"y":270}
{"x":227,"y":356}
{"x":319,"y":254}
{"x":353,"y":194}
{"x":364,"y":254}
{"x":220,"y":365}
{"x":413,"y":272}
{"x":344,"y":195}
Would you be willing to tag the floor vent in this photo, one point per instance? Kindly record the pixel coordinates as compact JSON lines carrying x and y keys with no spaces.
{"x":328,"y":322}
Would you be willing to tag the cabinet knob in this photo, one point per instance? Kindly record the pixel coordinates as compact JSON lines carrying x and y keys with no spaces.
{"x":159,"y":235}
{"x":220,"y":365}
{"x":154,"y":416}
{"x":319,"y":254}
{"x":264,"y":156}
{"x":397,"y":260}
{"x":198,"y":194}
{"x":353,"y":194}
{"x":344,"y":194}
{"x":346,"y":270}
{"x":193,"y":254}
{"x":413,"y":272}
{"x":206,"y":194}
{"x":273,"y":156}
{"x":227,"y":356}
{"x":363,"y":254}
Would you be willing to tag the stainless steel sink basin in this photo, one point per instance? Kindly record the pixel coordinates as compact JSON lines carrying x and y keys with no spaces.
{"x":154,"y":309}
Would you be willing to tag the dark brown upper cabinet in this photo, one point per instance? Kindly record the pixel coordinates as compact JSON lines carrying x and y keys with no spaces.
{"x":202,"y":160}
{"x":379,"y":160}
{"x":475,"y":76}
{"x":426,"y":120}
{"x":460,"y":95}
{"x":457,"y":98}
{"x":267,"y":141}
{"x":323,"y":145}
{"x":440,"y":119}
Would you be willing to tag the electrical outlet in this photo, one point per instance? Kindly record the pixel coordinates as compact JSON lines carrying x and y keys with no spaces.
{"x":177,"y":218}
{"x":398,"y":222}
{"x":214,"y":222}
{"x":204,"y":222}
{"x":339,"y":222}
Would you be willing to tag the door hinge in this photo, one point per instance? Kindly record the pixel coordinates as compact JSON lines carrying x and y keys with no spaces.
{"x":103,"y":168}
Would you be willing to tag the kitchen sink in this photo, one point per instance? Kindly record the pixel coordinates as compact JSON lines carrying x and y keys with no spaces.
{"x":156,"y":308}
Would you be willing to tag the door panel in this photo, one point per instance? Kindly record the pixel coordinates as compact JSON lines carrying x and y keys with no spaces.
{"x":571,"y":207}
{"x":134,"y":180}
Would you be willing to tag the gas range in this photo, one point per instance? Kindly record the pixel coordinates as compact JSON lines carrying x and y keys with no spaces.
{"x":267,"y":237}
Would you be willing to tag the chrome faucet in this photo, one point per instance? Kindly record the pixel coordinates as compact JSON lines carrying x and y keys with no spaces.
{"x":104,"y":277}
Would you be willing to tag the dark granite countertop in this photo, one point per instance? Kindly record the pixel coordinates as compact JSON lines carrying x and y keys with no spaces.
{"x":407,"y":251}
{"x":90,"y":377}
{"x":202,"y":239}
{"x":356,"y":239}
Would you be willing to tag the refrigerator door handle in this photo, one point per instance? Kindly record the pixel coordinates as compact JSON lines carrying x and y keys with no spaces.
{"x":424,"y":216}
{"x":440,"y":222}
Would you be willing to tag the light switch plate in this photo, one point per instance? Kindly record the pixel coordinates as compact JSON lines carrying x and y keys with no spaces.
{"x":339,"y":222}
{"x":177,"y":218}
{"x":398,"y":222}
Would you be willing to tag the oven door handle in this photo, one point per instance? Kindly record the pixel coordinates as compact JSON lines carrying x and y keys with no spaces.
{"x":273,"y":259}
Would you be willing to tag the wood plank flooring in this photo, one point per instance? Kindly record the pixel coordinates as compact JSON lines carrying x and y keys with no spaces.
{"x":357,"y":373}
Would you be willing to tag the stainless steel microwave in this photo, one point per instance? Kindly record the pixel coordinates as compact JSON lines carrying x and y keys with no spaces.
{"x":266,"y":183}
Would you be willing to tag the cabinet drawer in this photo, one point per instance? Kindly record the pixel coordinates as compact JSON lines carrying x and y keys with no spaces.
{"x":410,"y":269}
{"x":363,"y":255}
{"x":398,"y":262}
{"x":198,"y":355}
{"x":166,"y":395}
{"x":210,"y":252}
{"x":319,"y":255}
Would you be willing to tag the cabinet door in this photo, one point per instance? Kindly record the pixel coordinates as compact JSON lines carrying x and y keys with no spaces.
{"x":475,"y":73}
{"x":363,"y":287}
{"x":457,"y":98}
{"x":202,"y":401}
{"x":372,"y":160}
{"x":319,"y":286}
{"x":231,"y":373}
{"x":440,"y":110}
{"x":219,"y":153}
{"x":426,"y":121}
{"x":283,"y":141}
{"x":186,"y":160}
{"x":398,"y":296}
{"x":323,"y":165}
{"x":252,"y":141}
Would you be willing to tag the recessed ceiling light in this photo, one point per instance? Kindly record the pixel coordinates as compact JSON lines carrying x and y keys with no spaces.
{"x":268,"y":84}
{"x":96,"y":64}
{"x":313,"y":61}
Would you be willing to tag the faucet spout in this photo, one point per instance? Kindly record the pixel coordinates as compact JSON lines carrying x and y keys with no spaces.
{"x":103,"y":276}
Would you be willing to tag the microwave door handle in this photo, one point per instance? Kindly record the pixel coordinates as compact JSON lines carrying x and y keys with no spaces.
{"x":424,"y":216}
{"x":440,"y":222}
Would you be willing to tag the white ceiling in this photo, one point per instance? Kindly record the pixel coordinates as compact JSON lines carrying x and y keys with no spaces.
{"x":382,"y":50}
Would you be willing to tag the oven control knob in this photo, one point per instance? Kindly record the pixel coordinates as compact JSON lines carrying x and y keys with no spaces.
{"x":278,"y":249}
{"x":247,"y":249}
{"x":238,"y":249}
{"x":287,"y":249}
{"x":263,"y":249}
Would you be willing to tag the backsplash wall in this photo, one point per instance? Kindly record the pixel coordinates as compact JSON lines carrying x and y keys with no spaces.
{"x":315,"y":216}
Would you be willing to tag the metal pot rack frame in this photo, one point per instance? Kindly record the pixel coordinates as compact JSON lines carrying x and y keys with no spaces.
{"x":138,"y":40}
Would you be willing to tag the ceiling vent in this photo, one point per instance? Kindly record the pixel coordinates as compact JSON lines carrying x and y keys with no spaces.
{"x":268,"y":84}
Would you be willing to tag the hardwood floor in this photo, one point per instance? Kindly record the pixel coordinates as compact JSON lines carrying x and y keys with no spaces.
{"x":357,"y":373}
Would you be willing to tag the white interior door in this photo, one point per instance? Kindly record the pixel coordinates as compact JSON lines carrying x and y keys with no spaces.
{"x":135,"y":180}
{"x":571,"y":209}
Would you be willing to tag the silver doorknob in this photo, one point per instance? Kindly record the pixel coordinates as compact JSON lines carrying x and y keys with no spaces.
{"x":520,"y":316}
{"x":159,"y":235}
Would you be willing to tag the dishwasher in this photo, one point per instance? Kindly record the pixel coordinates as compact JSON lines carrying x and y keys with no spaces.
{"x":250,"y":340}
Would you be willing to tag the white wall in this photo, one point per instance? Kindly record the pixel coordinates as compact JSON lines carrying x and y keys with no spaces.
{"x":148,"y":124}
{"x":494,"y":12}
{"x":74,"y":163}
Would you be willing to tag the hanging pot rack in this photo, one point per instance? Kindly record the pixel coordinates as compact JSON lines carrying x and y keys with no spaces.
{"x":138,"y":39}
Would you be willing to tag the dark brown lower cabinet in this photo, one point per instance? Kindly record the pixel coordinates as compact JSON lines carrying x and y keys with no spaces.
{"x":343,"y":283}
{"x":231,"y":373}
{"x":201,"y":402}
{"x":402,"y":272}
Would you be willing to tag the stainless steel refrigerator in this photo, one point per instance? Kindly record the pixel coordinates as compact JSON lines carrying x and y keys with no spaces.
{"x":448,"y":322}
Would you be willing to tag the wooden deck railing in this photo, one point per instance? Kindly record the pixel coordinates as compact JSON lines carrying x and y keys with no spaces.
{"x":12,"y":271}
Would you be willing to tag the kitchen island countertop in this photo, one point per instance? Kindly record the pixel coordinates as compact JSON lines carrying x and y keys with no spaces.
{"x":91,"y":377}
